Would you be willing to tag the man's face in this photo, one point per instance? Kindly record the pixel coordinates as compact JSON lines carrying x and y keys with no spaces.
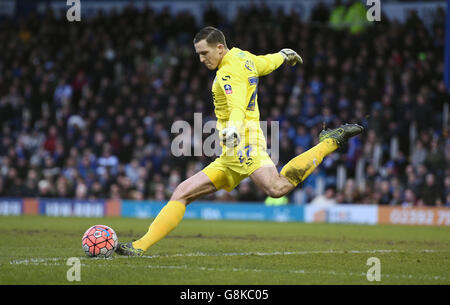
{"x":210,"y":55}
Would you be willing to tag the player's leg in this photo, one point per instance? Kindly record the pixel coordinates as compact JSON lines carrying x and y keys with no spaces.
{"x":299,"y":168}
{"x":192,"y":188}
{"x":276,"y":184}
{"x":268,"y":179}
{"x":171,"y":214}
{"x":303,"y":165}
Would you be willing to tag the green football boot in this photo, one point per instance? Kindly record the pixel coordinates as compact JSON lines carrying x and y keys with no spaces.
{"x":341,"y":134}
{"x":127,"y":249}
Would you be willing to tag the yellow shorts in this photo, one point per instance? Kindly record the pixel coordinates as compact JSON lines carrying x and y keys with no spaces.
{"x":228,"y":170}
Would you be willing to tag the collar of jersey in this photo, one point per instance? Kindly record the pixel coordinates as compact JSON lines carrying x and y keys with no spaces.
{"x":225,"y":57}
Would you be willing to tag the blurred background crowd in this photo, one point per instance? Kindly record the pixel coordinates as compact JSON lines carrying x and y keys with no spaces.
{"x":86,"y":108}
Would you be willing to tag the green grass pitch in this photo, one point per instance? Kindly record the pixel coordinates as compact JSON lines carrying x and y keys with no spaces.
{"x":35,"y":250}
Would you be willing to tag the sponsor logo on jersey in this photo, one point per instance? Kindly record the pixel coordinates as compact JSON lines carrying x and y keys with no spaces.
{"x":249,"y":65}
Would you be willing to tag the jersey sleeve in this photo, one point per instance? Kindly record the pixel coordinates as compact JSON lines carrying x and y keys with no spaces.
{"x":265,"y":64}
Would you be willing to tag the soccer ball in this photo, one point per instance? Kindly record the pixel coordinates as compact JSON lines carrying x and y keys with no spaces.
{"x":99,"y":241}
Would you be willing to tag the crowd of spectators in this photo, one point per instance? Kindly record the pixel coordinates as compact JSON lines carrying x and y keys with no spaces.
{"x":86,"y":108}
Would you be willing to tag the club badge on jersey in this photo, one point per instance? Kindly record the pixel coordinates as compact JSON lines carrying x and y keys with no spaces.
{"x":228,"y":89}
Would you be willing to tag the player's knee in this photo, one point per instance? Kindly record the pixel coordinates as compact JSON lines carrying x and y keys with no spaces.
{"x":180,"y":193}
{"x":186,"y":192}
{"x":275,"y":191}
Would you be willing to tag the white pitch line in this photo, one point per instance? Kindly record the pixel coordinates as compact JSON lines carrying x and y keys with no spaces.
{"x":60,"y":261}
{"x":203,"y":254}
{"x":38,"y":261}
{"x":48,"y":261}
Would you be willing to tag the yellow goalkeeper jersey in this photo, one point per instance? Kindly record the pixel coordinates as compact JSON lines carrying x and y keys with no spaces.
{"x":235,"y":92}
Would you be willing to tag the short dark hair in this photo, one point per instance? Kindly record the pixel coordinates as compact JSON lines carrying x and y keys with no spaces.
{"x":212,"y":35}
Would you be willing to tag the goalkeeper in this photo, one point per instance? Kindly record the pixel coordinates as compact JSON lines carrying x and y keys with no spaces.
{"x":234,"y":92}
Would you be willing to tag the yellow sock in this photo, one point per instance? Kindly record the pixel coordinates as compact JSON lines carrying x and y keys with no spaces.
{"x":168,"y":218}
{"x":303,"y":165}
